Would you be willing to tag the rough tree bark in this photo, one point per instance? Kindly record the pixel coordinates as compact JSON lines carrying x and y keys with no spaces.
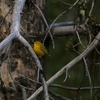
{"x":18,"y":68}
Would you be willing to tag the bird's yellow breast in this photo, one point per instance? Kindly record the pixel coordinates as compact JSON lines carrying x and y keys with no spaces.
{"x":38,"y":50}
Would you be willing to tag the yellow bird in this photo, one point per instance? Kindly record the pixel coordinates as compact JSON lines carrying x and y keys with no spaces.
{"x":40,"y":49}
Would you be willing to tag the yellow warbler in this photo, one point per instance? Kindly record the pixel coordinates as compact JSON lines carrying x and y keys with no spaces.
{"x":40,"y":49}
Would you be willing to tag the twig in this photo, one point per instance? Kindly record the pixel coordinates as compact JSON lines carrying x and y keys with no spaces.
{"x":23,"y":41}
{"x":66,"y":76}
{"x":92,"y":6}
{"x":45,"y":88}
{"x":6,"y":51}
{"x":65,"y":3}
{"x":62,"y":14}
{"x":27,"y":88}
{"x":79,"y":39}
{"x":90,"y":81}
{"x":73,"y":88}
{"x":69,"y":65}
{"x":71,"y":23}
{"x":59,"y":96}
{"x":53,"y":43}
{"x":90,"y":37}
{"x":38,"y":74}
{"x":75,"y":49}
{"x":7,"y":40}
{"x":28,"y":78}
{"x":46,"y":24}
{"x":5,"y":16}
{"x":51,"y":98}
{"x":24,"y":31}
{"x":24,"y":94}
{"x":97,"y":51}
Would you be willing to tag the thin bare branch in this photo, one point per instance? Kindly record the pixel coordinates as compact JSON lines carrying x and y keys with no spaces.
{"x":59,"y":96}
{"x":65,"y":3}
{"x":71,"y":23}
{"x":79,"y":39}
{"x":63,"y":13}
{"x":24,"y":94}
{"x":90,"y":81}
{"x":73,"y":88}
{"x":34,"y":81}
{"x":97,"y":50}
{"x":26,"y":44}
{"x":75,"y":49}
{"x":92,"y":6}
{"x":66,"y":76}
{"x":27,"y":88}
{"x":7,"y":40}
{"x":45,"y":88}
{"x":5,"y":16}
{"x":53,"y":43}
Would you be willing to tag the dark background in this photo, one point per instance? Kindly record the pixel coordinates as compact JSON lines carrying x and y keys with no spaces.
{"x":63,"y":54}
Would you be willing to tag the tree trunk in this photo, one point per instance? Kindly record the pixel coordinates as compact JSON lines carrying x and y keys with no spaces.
{"x":18,"y":68}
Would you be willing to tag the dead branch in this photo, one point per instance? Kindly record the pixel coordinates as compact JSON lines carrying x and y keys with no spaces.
{"x":73,"y":88}
{"x":67,"y":28}
{"x":88,"y":74}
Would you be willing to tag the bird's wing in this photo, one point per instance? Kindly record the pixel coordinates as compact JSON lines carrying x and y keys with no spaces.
{"x":44,"y":49}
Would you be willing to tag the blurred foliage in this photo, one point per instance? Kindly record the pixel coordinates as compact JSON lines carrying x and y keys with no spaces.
{"x":55,"y":7}
{"x":63,"y":53}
